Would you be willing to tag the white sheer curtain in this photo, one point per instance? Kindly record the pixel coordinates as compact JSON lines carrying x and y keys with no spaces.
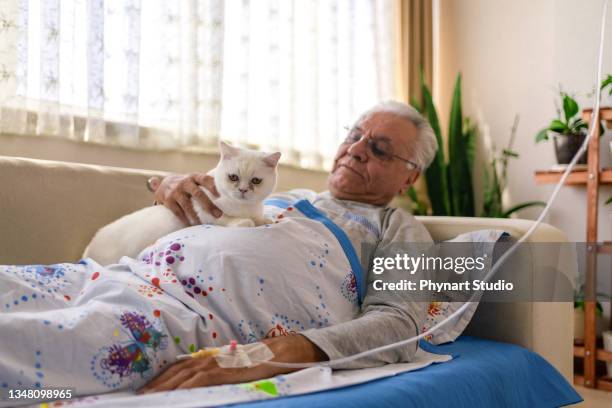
{"x":270,"y":74}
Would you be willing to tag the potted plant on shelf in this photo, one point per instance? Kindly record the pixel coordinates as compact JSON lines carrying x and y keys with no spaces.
{"x":568,"y":131}
{"x":579,"y":314}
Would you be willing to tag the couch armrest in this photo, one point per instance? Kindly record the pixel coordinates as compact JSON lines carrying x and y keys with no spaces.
{"x":544,"y":327}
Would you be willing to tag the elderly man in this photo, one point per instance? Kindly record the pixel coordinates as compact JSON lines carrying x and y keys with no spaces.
{"x":383,"y":154}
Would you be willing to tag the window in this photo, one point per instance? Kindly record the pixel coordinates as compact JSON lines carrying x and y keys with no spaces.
{"x":269,"y":74}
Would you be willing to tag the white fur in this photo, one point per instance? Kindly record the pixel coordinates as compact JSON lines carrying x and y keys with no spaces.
{"x":130,"y":234}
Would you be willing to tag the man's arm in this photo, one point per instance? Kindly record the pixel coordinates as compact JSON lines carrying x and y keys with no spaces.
{"x":203,"y":372}
{"x":379,"y":325}
{"x":387,"y":316}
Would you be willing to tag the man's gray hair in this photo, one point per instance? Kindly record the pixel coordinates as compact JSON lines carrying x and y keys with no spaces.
{"x":426,"y":142}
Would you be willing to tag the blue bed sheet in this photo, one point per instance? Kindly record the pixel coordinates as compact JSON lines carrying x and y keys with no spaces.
{"x":484,"y":374}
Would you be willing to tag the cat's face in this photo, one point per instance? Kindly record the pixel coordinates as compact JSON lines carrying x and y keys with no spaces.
{"x":245,"y":175}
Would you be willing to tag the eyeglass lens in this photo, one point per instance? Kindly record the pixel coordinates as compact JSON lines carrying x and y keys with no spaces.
{"x":379,"y":148}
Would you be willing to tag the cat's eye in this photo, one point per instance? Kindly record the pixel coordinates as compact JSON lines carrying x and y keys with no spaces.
{"x":256,"y":180}
{"x":233,"y":177}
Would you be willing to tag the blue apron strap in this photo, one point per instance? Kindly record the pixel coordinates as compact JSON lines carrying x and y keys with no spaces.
{"x":277,"y":202}
{"x":311,"y":212}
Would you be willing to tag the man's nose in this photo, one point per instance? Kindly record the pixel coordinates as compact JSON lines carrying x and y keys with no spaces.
{"x":358,"y":150}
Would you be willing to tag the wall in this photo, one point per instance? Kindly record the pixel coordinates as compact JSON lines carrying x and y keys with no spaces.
{"x":49,"y":148}
{"x":513,"y":55}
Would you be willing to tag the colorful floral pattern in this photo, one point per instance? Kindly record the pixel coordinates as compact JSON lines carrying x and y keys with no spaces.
{"x":134,"y":356}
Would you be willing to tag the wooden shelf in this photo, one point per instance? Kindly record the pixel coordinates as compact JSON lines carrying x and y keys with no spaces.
{"x":602,"y":355}
{"x":592,"y":178}
{"x":576,"y":177}
{"x":605,"y":113}
{"x":603,"y":383}
{"x":605,"y":248}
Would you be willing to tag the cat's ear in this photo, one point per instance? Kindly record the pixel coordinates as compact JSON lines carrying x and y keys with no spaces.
{"x":271,"y":160}
{"x":227,"y":151}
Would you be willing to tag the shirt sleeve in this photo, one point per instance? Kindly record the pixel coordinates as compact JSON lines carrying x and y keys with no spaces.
{"x":386,"y":316}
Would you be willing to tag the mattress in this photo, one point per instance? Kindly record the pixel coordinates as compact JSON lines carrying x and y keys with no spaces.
{"x":482,"y":373}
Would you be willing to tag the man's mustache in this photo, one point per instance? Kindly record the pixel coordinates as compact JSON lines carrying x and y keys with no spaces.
{"x":349,"y":167}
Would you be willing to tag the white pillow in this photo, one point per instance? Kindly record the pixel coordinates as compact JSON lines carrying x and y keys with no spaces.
{"x":439,"y":310}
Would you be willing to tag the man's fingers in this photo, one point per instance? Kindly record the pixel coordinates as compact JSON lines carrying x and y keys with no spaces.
{"x":185,"y":202}
{"x":203,"y":199}
{"x":207,"y":182}
{"x":178,"y":211}
{"x":201,"y":379}
{"x":176,"y":191}
{"x":172,"y":380}
{"x":166,"y":186}
{"x":165,"y":376}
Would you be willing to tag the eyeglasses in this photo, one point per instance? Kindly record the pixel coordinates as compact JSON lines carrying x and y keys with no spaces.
{"x":380,"y":147}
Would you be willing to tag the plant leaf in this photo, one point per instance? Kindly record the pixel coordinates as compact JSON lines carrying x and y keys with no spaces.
{"x":609,"y":201}
{"x":521,"y":206}
{"x":542,"y":135}
{"x":415,"y":104}
{"x":577,"y":128}
{"x":606,"y":82}
{"x":459,"y":172}
{"x":412,"y":194}
{"x":470,"y":133}
{"x":435,"y":175}
{"x":570,"y":107}
{"x":417,"y":206}
{"x":557,"y":126}
{"x":493,"y":194}
{"x":509,"y":153}
{"x":576,"y":122}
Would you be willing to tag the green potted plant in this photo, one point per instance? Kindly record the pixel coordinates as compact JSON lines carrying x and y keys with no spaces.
{"x":568,"y":131}
{"x":449,"y":178}
{"x":579,"y":314}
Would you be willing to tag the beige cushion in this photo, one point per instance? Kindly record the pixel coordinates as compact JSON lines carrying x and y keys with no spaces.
{"x":50,"y":211}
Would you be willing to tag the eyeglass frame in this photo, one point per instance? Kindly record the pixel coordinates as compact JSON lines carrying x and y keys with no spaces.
{"x":370,"y":141}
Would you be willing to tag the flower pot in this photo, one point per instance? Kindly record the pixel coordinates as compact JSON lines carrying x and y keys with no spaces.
{"x":566,"y":147}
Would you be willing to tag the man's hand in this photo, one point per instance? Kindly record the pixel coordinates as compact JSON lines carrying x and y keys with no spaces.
{"x":176,"y":191}
{"x":202,"y":372}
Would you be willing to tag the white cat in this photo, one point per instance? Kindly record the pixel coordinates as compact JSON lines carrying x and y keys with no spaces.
{"x":244,"y":178}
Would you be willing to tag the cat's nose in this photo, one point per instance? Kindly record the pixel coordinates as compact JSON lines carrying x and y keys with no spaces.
{"x":243,"y":190}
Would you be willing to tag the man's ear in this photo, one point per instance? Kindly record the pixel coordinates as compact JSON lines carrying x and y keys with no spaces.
{"x":410,"y":180}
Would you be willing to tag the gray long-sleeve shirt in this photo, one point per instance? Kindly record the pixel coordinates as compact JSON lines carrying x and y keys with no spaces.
{"x":386,"y":316}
